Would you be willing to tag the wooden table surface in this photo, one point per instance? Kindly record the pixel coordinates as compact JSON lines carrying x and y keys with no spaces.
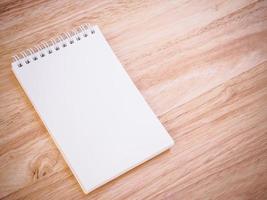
{"x":200,"y":64}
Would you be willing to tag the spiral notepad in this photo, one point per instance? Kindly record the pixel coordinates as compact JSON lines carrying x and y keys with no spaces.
{"x":96,"y":116}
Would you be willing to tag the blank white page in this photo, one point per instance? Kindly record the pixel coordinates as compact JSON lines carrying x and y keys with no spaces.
{"x":98,"y":119}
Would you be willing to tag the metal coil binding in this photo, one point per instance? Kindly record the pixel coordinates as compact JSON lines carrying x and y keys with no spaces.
{"x":54,"y":44}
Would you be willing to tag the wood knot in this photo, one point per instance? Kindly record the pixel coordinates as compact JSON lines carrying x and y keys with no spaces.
{"x":43,"y":165}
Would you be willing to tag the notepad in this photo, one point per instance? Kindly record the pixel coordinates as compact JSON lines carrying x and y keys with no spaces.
{"x":96,"y":116}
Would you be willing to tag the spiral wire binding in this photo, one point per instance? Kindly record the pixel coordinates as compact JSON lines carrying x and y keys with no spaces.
{"x":54,"y":44}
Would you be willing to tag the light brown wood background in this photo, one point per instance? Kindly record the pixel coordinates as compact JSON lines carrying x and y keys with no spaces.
{"x":200,"y":64}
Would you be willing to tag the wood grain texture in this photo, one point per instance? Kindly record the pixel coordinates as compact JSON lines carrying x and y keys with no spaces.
{"x":202,"y":67}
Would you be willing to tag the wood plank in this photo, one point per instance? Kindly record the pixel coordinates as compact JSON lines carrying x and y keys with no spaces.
{"x":200,"y":64}
{"x":220,"y":151}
